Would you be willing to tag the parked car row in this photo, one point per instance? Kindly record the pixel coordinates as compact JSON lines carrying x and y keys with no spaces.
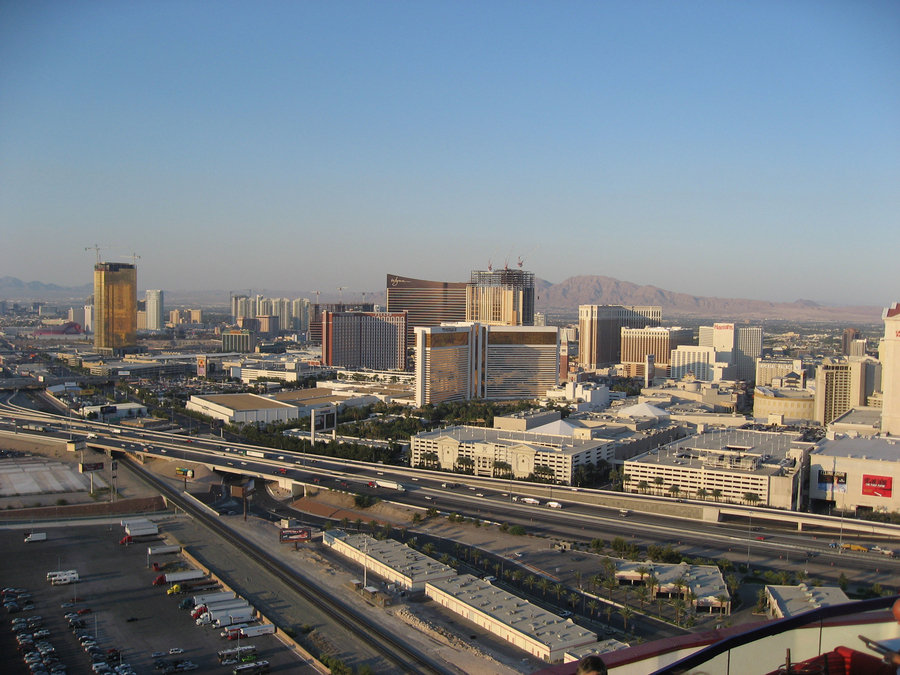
{"x":37,"y":651}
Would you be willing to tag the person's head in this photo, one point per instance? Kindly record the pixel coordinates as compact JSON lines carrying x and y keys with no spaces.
{"x":591,"y":665}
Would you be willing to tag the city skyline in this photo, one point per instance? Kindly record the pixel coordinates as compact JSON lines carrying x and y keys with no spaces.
{"x":753,"y":149}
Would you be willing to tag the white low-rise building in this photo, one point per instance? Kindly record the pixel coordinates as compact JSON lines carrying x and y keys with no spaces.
{"x":394,"y":562}
{"x":783,"y":602}
{"x":759,"y":468}
{"x":856,"y":473}
{"x":526,"y":626}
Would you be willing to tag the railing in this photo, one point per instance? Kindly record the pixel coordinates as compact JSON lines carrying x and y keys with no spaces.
{"x":809,"y":620}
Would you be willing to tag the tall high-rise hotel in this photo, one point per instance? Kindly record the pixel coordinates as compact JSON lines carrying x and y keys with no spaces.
{"x":426,"y":303}
{"x":155,"y":313}
{"x":600,"y":331}
{"x":115,"y":307}
{"x":462,"y":361}
{"x":373,"y":340}
{"x":889,"y":353}
{"x":501,"y":298}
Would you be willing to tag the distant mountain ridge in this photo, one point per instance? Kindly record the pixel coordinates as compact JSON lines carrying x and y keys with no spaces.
{"x":566,"y":295}
{"x":600,"y":290}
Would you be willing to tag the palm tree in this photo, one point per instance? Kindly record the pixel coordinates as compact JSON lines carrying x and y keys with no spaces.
{"x":701,"y":493}
{"x":610,"y":584}
{"x":643,"y":570}
{"x":573,"y":599}
{"x":751,"y":497}
{"x":643,"y":486}
{"x":643,"y":595}
{"x":626,"y":613}
{"x":529,"y":582}
{"x":608,"y":608}
{"x":724,"y":603}
{"x":658,"y":481}
{"x":559,"y":589}
{"x":592,"y":605}
{"x":716,"y":493}
{"x":544,"y":584}
{"x":674,"y":489}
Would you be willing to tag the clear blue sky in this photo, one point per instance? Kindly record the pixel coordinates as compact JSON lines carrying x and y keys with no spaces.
{"x":735,"y":149}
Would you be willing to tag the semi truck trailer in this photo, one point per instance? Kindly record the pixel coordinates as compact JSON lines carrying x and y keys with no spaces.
{"x":162,"y":550}
{"x":177,"y":577}
{"x":210,"y":617}
{"x":237,"y":617}
{"x":224,"y":605}
{"x":389,"y":484}
{"x":140,"y":529}
{"x":262,"y":629}
{"x":204,"y":598}
{"x":193,"y":587}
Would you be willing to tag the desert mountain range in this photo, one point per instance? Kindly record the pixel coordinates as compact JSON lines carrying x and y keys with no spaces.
{"x":564,"y":296}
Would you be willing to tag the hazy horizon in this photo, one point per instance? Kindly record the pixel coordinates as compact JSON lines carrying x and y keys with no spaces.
{"x":733,"y":150}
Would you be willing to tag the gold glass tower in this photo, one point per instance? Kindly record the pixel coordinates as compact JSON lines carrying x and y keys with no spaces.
{"x":115,"y":306}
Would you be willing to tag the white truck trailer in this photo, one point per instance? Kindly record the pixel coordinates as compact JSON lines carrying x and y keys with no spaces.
{"x":262,"y":629}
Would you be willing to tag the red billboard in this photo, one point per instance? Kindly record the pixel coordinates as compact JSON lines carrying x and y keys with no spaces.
{"x":87,"y":468}
{"x":877,"y":486}
{"x":293,"y":534}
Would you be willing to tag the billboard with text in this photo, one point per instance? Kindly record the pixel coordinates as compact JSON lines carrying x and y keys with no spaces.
{"x":877,"y":486}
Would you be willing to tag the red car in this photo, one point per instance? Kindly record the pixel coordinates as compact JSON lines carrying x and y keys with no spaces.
{"x":83,"y":611}
{"x":281,"y":471}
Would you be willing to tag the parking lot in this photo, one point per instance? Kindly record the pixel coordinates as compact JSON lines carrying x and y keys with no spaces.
{"x":119,"y":606}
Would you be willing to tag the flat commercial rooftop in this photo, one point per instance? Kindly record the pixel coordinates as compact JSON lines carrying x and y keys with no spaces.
{"x":511,"y":610}
{"x":398,"y":557}
{"x":501,"y":436}
{"x":32,"y":476}
{"x":243,"y":401}
{"x":738,"y":450}
{"x":885,"y":449}
{"x":793,"y":600}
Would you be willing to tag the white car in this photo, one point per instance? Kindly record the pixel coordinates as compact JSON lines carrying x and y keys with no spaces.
{"x":176,"y":650}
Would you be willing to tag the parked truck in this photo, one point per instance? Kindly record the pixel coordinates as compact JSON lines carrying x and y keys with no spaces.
{"x":210,"y":617}
{"x":141,"y":529}
{"x":232,"y":630}
{"x":162,"y":550}
{"x":238,"y":617}
{"x":193,"y":587}
{"x":135,"y":521}
{"x":204,"y":598}
{"x":138,"y":536}
{"x":256,"y":453}
{"x":35,"y":536}
{"x":390,"y":485}
{"x":177,"y":577}
{"x":262,"y":629}
{"x":223,"y":605}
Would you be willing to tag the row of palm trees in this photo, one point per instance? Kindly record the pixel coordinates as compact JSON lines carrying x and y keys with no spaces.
{"x":675,"y":490}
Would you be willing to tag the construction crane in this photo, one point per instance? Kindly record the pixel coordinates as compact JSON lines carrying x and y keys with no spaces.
{"x":134,"y":258}
{"x":341,"y":292}
{"x":96,"y":248}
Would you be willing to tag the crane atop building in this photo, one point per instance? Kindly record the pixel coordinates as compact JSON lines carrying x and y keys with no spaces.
{"x":96,"y":248}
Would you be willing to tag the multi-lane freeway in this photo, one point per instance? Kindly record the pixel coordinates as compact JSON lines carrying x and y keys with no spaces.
{"x":759,"y":539}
